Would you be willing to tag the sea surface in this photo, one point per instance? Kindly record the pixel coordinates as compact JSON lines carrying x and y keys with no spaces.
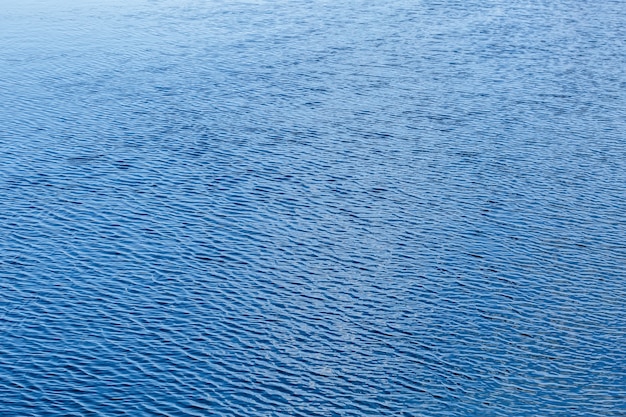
{"x":313,"y":208}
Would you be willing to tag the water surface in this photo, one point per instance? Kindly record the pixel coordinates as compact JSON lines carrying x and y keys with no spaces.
{"x":345,"y":208}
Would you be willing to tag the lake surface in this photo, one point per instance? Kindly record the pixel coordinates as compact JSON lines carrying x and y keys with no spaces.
{"x":313,"y":208}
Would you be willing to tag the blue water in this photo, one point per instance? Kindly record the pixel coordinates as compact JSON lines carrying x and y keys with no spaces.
{"x":313,"y":208}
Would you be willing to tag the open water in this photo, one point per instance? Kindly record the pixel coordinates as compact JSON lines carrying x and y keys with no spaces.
{"x":313,"y":208}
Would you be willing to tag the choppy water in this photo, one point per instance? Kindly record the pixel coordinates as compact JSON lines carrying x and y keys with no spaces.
{"x":348,"y":207}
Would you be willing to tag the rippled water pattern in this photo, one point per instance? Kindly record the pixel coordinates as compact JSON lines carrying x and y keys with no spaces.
{"x":302,"y":208}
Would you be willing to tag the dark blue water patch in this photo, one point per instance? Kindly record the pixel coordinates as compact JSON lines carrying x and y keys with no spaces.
{"x":327,"y":208}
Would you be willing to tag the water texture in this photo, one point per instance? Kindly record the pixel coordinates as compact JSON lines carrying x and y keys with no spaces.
{"x":313,"y":208}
